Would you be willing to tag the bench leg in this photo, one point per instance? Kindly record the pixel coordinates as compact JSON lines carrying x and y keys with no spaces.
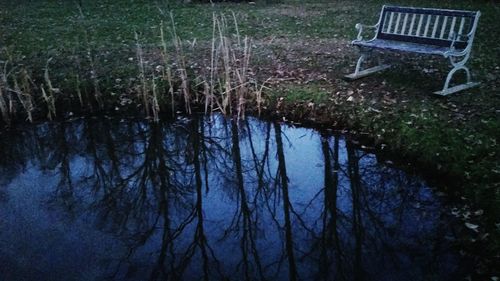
{"x":460,"y":65}
{"x":359,"y":73}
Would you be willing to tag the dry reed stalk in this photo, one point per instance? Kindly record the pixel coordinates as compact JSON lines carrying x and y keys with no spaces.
{"x":142,"y":75}
{"x":232,"y":74}
{"x":258,"y":94}
{"x":3,"y":108}
{"x":182,"y":66}
{"x":236,"y":28}
{"x":167,"y":70}
{"x":9,"y":108}
{"x":50,"y":98}
{"x":242,"y":76}
{"x":216,"y":71}
{"x":12,"y":106}
{"x":26,"y":83}
{"x":93,"y":68}
{"x":25,"y":99}
{"x":155,"y":105}
{"x":241,"y":59}
{"x":78,"y":91}
{"x":225,"y":46}
{"x":94,"y":78}
{"x":171,"y":90}
{"x":227,"y":84}
{"x":47,"y":101}
{"x":209,"y":96}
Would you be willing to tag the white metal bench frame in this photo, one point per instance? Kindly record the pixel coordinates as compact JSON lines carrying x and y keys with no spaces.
{"x":448,"y":33}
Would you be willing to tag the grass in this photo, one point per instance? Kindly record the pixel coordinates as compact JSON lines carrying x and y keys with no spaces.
{"x":312,"y":93}
{"x":108,"y":54}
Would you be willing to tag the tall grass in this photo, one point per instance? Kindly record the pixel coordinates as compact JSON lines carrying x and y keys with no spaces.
{"x":226,"y":84}
{"x":144,"y":87}
{"x":50,"y":98}
{"x":181,"y":63}
{"x":15,"y":93}
{"x":90,"y":57}
{"x":229,"y":86}
{"x":167,"y":70}
{"x":23,"y":92}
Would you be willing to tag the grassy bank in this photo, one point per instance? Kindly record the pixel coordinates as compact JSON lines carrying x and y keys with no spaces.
{"x":124,"y":55}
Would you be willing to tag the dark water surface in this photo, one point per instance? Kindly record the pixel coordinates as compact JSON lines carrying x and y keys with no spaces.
{"x":212,"y":199}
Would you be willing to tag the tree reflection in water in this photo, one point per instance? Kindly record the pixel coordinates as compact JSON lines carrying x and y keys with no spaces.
{"x":211,"y":199}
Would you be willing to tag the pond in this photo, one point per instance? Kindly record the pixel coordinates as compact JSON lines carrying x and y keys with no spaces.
{"x":210,"y":198}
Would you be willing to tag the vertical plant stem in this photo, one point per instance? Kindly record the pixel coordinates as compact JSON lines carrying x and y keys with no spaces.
{"x":155,"y":106}
{"x":3,"y":108}
{"x":78,"y":91}
{"x":142,"y":75}
{"x":90,"y":58}
{"x":167,"y":72}
{"x":182,"y":66}
{"x":236,"y":27}
{"x":50,"y":98}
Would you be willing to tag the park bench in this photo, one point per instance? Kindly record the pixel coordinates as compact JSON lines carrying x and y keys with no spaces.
{"x":438,"y":32}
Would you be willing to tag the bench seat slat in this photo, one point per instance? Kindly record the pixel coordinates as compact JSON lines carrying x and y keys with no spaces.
{"x":403,"y":46}
{"x":422,"y":40}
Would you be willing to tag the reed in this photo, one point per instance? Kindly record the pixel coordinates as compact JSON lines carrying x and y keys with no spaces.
{"x":209,"y":87}
{"x":155,"y":106}
{"x":144,"y":91}
{"x":94,"y":77}
{"x":78,"y":90}
{"x":5,"y":101}
{"x":5,"y":97}
{"x":4,"y":108}
{"x":167,"y":69}
{"x":230,"y":68}
{"x":49,"y":95}
{"x":181,"y":63}
{"x":15,"y":87}
{"x":23,"y":93}
{"x":259,"y":99}
{"x":225,"y":85}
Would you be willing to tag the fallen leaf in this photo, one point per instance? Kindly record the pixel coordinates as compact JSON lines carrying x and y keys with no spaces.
{"x":472,"y":226}
{"x":479,"y":212}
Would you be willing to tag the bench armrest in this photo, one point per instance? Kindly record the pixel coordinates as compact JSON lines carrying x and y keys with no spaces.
{"x":360,"y":27}
{"x":455,"y":38}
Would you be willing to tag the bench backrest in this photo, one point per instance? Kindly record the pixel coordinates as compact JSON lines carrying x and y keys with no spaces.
{"x":428,"y":26}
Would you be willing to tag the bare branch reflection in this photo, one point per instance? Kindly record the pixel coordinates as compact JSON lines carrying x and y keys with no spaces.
{"x":212,"y":198}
